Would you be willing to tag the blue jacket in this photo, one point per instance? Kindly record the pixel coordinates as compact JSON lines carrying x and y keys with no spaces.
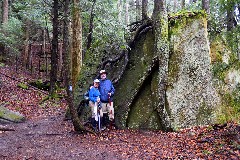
{"x":106,"y":87}
{"x":94,"y":94}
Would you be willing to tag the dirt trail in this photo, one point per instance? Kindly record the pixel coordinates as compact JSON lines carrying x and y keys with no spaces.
{"x":45,"y":136}
{"x":49,"y":138}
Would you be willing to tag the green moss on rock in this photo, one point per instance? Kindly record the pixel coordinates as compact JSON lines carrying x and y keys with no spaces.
{"x":142,"y":113}
{"x":189,"y":81}
{"x":204,"y":115}
{"x":140,"y":59}
{"x":10,"y":115}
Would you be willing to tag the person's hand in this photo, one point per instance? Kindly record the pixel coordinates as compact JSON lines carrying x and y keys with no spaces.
{"x":109,"y":94}
{"x":98,"y":99}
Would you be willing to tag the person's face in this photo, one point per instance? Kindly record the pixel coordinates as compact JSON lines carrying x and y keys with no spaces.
{"x":96,"y":84}
{"x":103,"y":76}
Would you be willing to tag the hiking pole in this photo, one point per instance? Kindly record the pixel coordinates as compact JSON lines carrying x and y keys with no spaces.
{"x":99,"y":123}
{"x":99,"y":118}
{"x":110,"y":113}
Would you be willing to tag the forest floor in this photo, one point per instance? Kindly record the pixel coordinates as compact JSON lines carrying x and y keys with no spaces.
{"x":45,"y":134}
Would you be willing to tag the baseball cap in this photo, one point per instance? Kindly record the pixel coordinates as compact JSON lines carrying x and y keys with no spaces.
{"x":96,"y":81}
{"x":103,"y":71}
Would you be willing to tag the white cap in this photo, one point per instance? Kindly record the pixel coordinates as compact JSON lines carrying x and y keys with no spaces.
{"x":96,"y":81}
{"x":103,"y":71}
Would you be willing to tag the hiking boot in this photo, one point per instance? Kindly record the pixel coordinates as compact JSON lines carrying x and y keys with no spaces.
{"x":103,"y":128}
{"x":95,"y":129}
{"x":94,"y":124}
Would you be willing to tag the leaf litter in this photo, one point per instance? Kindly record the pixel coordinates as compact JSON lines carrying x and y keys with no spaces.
{"x":45,"y":135}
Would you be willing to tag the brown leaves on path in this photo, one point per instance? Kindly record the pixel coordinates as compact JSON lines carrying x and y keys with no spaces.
{"x":46,"y":136}
{"x":25,"y":101}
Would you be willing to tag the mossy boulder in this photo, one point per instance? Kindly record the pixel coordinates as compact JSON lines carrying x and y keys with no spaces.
{"x":219,"y":51}
{"x":191,"y":96}
{"x":131,"y":91}
{"x":191,"y":99}
{"x":11,"y":116}
{"x":226,"y":72}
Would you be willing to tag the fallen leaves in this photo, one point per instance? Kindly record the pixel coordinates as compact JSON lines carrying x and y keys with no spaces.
{"x":25,"y":101}
{"x":47,"y":134}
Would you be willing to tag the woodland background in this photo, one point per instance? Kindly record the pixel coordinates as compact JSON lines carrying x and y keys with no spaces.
{"x":44,"y":45}
{"x":36,"y":34}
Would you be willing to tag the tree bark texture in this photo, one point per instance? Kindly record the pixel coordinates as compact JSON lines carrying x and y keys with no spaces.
{"x":54,"y":54}
{"x":161,"y":43}
{"x":76,"y":42}
{"x":205,"y":6}
{"x":230,"y":15}
{"x":67,"y":71}
{"x":144,"y":9}
{"x":5,"y":11}
{"x":183,"y":4}
{"x":26,"y":45}
{"x":127,"y":21}
{"x":238,"y":9}
{"x":90,"y":31}
{"x":175,"y":6}
{"x":138,"y":10}
{"x":119,"y":10}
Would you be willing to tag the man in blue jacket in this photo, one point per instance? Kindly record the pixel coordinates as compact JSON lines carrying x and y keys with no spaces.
{"x":107,"y":91}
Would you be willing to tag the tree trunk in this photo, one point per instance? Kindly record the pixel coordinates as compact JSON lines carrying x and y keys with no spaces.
{"x":205,"y":6}
{"x":67,"y":70}
{"x":161,"y":43}
{"x":230,"y":15}
{"x":89,"y":37}
{"x":60,"y":59}
{"x":238,"y":10}
{"x":183,"y":4}
{"x":76,"y":42}
{"x":26,"y":45}
{"x":126,"y":13}
{"x":29,"y":58}
{"x":175,"y":6}
{"x":119,"y":11}
{"x":54,"y":54}
{"x":144,"y":9}
{"x":238,"y":46}
{"x":138,"y":10}
{"x":238,"y":36}
{"x":5,"y":11}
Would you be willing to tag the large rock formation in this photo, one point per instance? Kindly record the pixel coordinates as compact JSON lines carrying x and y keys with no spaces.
{"x":226,"y":72}
{"x":191,"y":97}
